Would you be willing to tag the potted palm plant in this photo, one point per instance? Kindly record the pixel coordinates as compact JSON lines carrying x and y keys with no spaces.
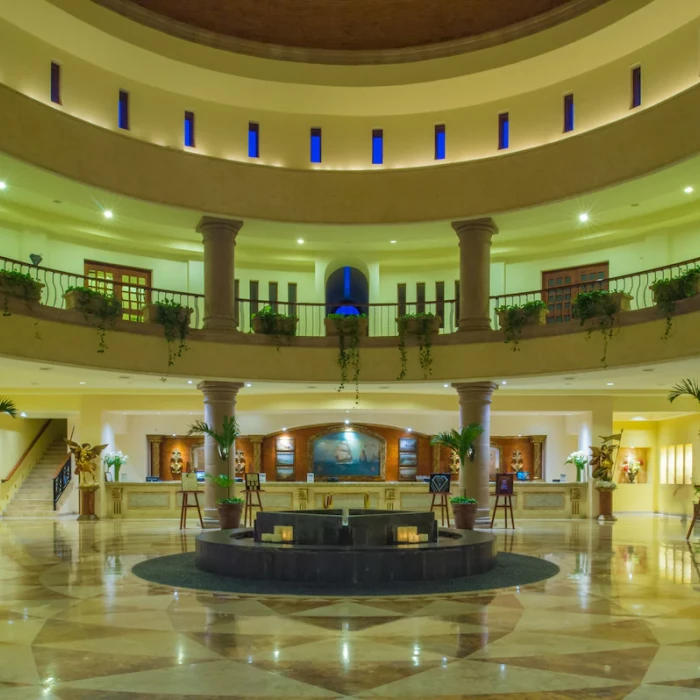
{"x":230,"y":508}
{"x":462,"y":443}
{"x":7,"y":406}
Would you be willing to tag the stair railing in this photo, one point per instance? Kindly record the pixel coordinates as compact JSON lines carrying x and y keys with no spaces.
{"x":61,"y":480}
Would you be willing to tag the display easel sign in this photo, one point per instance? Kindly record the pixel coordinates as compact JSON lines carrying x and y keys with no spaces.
{"x":440,"y":483}
{"x":504,"y":484}
{"x":189,"y":481}
{"x":252,"y":482}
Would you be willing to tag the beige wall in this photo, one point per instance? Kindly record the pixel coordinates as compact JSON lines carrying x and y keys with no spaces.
{"x":16,"y":434}
{"x":675,"y":499}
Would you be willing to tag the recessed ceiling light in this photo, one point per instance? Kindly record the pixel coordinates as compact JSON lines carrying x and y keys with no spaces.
{"x":173,"y":434}
{"x":81,"y":382}
{"x":392,"y":241}
{"x":284,"y":429}
{"x":23,"y":415}
{"x":689,"y":189}
{"x":300,"y":241}
{"x":347,"y":422}
{"x":3,"y":185}
{"x":639,"y":418}
{"x":583,"y":217}
{"x":610,"y":384}
{"x":249,"y":385}
{"x":447,"y":386}
{"x":504,"y":382}
{"x":108,"y":213}
{"x":189,"y":381}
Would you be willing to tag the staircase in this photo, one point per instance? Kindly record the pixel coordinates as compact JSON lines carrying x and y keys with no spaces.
{"x":34,"y":498}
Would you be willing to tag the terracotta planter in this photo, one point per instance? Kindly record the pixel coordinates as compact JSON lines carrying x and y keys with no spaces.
{"x":464,"y":515}
{"x":415,"y":326}
{"x":150,"y":314}
{"x":676,"y":291}
{"x":281,"y":325}
{"x":230,"y":515}
{"x":29,"y":292}
{"x":606,"y":505}
{"x":533,"y":317}
{"x":75,"y":301}
{"x":333,"y":327}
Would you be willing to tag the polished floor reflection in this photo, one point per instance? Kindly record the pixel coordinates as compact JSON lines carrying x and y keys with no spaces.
{"x":621,"y":620}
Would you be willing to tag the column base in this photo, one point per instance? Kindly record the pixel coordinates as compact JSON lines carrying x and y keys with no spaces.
{"x":474,"y":324}
{"x":220,"y":323}
{"x":87,"y":517}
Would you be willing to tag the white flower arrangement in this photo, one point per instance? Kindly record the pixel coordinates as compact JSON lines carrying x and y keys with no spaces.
{"x":579,"y":458}
{"x":115,"y":459}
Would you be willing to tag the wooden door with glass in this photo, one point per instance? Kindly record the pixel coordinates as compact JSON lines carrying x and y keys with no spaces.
{"x":131,"y":285}
{"x":561,"y":287}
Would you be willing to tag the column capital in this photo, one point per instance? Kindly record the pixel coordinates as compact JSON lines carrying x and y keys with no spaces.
{"x":220,"y":390}
{"x":213,"y":226}
{"x":471,"y":227}
{"x":473,"y":391}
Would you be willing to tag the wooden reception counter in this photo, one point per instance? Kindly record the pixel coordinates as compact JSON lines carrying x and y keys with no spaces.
{"x":536,"y":499}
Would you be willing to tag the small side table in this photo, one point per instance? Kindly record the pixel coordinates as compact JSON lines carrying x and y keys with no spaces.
{"x":696,"y":517}
{"x":186,"y":505}
{"x":249,"y":505}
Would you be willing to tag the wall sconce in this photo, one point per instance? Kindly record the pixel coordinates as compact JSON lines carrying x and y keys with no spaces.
{"x":36,"y":259}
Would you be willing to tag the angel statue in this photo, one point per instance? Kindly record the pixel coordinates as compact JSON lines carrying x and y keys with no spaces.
{"x":604,"y":459}
{"x":85,"y":457}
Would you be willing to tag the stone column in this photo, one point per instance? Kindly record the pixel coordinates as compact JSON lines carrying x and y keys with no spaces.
{"x":475,"y":407}
{"x":256,"y":441}
{"x":219,"y":237}
{"x":474,"y":272}
{"x":219,"y":401}
{"x":538,"y":456}
{"x":155,"y":441}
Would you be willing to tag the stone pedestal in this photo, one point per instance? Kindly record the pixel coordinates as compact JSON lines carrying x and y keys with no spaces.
{"x":474,"y":272}
{"x":219,"y":401}
{"x":87,"y":502}
{"x":475,"y":407}
{"x":219,"y":237}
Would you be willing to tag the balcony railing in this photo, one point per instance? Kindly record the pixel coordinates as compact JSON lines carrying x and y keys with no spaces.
{"x":381,"y":317}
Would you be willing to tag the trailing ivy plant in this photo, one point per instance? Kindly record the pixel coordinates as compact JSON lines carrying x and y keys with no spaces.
{"x":18,"y":284}
{"x":668,"y":291}
{"x":422,"y":326}
{"x":106,"y":308}
{"x":599,"y":306}
{"x":175,"y":319}
{"x":515,"y":318}
{"x":269,"y":322}
{"x":348,"y":328}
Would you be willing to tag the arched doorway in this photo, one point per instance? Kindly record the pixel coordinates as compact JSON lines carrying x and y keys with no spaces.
{"x":347,"y":292}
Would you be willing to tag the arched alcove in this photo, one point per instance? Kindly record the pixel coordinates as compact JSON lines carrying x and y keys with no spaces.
{"x":347,"y":292}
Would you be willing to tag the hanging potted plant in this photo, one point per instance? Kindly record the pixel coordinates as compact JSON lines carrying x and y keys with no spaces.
{"x":580,"y":461}
{"x":666,"y":292}
{"x":602,"y":308}
{"x":116,"y":460}
{"x":603,"y":464}
{"x":105,"y":308}
{"x":512,"y":319}
{"x":175,"y":320}
{"x":422,"y":327}
{"x":230,"y":507}
{"x":349,"y":329}
{"x":268,"y":322}
{"x":18,"y":285}
{"x":461,"y":443}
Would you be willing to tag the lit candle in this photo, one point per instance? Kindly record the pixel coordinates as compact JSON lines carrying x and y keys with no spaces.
{"x":402,"y":534}
{"x":275,"y":538}
{"x":287,"y":534}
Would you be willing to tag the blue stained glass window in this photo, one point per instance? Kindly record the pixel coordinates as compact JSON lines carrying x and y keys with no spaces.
{"x":315,"y":145}
{"x":253,"y":140}
{"x":55,"y":83}
{"x":123,"y":109}
{"x":636,"y":87}
{"x":189,"y":129}
{"x":377,"y":146}
{"x":568,"y":112}
{"x":440,"y":142}
{"x":503,"y":131}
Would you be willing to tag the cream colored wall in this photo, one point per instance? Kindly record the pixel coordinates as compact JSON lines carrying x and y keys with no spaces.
{"x":677,"y":499}
{"x":16,"y":434}
{"x":602,"y":96}
{"x":639,"y":498}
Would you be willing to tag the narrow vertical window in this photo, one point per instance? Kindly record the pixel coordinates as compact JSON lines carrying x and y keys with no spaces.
{"x":55,"y":83}
{"x":272,"y":288}
{"x":401,"y":298}
{"x":237,"y":300}
{"x":440,"y":302}
{"x":123,"y":109}
{"x":292,"y":298}
{"x":189,"y":129}
{"x":503,"y":131}
{"x":456,"y":301}
{"x":315,"y":145}
{"x":377,"y":146}
{"x":420,"y":297}
{"x":636,"y":87}
{"x":253,"y":297}
{"x":568,"y":113}
{"x":439,"y":142}
{"x":253,"y":140}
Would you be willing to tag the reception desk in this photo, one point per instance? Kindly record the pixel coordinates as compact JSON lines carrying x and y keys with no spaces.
{"x":531,"y":500}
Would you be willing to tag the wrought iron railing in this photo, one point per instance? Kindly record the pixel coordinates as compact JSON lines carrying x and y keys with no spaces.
{"x":60,"y":481}
{"x":381,"y":317}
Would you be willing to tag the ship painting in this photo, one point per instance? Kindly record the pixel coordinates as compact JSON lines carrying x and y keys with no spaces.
{"x":347,"y":454}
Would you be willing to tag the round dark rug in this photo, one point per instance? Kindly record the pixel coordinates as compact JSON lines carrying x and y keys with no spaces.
{"x":179,"y":571}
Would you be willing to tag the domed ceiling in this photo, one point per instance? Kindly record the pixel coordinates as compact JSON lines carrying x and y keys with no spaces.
{"x":360,"y":25}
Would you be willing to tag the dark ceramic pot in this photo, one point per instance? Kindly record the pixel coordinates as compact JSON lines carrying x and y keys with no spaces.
{"x":464,"y":515}
{"x":230,"y":515}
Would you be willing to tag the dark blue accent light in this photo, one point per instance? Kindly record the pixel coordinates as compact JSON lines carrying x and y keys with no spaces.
{"x":503,"y":131}
{"x":253,"y":140}
{"x":440,"y":142}
{"x":568,"y":113}
{"x":189,"y":129}
{"x":315,"y":145}
{"x":636,"y":87}
{"x":377,"y":146}
{"x":123,"y":109}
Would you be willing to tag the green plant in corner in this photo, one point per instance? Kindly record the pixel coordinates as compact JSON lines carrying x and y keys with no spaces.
{"x":225,"y":440}
{"x":7,"y":406}
{"x":175,"y":319}
{"x":423,"y":326}
{"x":225,"y":482}
{"x":599,"y":306}
{"x":462,"y":443}
{"x":348,"y":328}
{"x":668,"y":291}
{"x":106,"y":308}
{"x":516,"y":317}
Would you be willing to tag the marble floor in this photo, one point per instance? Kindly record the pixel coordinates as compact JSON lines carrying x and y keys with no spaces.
{"x":621,"y":620}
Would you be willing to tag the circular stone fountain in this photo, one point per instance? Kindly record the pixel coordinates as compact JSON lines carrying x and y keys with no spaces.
{"x":358,"y":547}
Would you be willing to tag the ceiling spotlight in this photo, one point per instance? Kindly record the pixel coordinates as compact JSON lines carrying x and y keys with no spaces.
{"x":3,"y":185}
{"x":108,"y":214}
{"x":284,"y":429}
{"x":687,"y":190}
{"x":81,"y":382}
{"x":611,"y":384}
{"x":504,"y":382}
{"x":347,"y":422}
{"x":249,"y":385}
{"x":392,"y":241}
{"x":300,"y":241}
{"x":23,"y":415}
{"x":447,"y":386}
{"x":409,"y":430}
{"x":189,"y":381}
{"x":583,"y":217}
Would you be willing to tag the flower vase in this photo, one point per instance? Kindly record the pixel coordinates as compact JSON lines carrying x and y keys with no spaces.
{"x":631,"y":477}
{"x":117,"y":467}
{"x":579,"y":474}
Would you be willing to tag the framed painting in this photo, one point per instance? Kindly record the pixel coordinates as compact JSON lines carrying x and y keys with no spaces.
{"x":408,"y":459}
{"x":284,"y":459}
{"x":348,"y":454}
{"x":408,"y":445}
{"x":284,"y":444}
